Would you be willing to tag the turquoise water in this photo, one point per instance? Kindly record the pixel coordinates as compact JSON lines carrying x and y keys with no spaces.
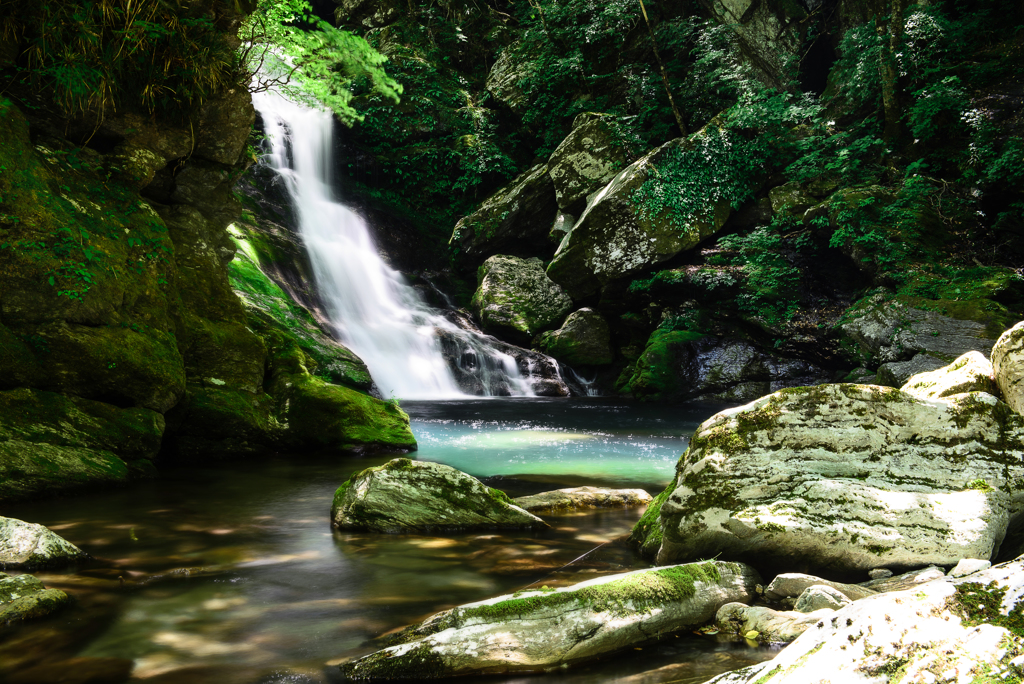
{"x":232,"y":574}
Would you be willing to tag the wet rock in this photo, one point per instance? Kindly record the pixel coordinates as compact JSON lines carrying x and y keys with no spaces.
{"x":533,"y":631}
{"x":1008,"y":365}
{"x":878,"y":478}
{"x":618,"y":236}
{"x":772,"y":626}
{"x":589,"y":157}
{"x":515,"y":220}
{"x":516,"y":296}
{"x":583,"y":340}
{"x":31,"y":546}
{"x":794,"y":584}
{"x":969,"y":566}
{"x":945,"y":630}
{"x":25,"y":598}
{"x":898,"y":373}
{"x":678,"y":365}
{"x":579,"y":498}
{"x":415,"y":496}
{"x":972,"y":372}
{"x":820,"y":596}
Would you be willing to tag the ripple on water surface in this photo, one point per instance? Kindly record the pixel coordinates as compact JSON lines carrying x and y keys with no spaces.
{"x":232,"y":573}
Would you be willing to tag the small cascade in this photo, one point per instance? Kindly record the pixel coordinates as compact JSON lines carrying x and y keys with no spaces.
{"x":412,"y":351}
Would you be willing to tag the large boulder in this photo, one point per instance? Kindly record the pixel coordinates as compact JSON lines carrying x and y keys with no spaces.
{"x":581,"y":498}
{"x":505,"y":77}
{"x":514,"y":220}
{"x":1008,"y":365}
{"x":534,"y":631}
{"x":848,"y":477}
{"x":589,"y":157}
{"x":516,"y":297}
{"x":963,"y":630}
{"x":972,"y":372}
{"x":418,"y":496}
{"x":23,"y":597}
{"x":30,"y":546}
{"x":51,"y":443}
{"x":583,"y":340}
{"x":623,"y":231}
{"x":678,"y":364}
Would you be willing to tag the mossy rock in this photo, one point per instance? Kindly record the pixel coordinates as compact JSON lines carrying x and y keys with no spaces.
{"x":516,"y":297}
{"x":416,"y":496}
{"x":31,"y":546}
{"x":583,"y":340}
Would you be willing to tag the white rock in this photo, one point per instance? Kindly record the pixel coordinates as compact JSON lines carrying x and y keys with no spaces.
{"x":848,"y":477}
{"x":793,"y":584}
{"x":925,"y":633}
{"x":969,"y":566}
{"x":906,"y":580}
{"x":820,"y":596}
{"x":1008,"y":363}
{"x":29,"y":546}
{"x":534,"y":631}
{"x":580,"y":498}
{"x":972,"y":372}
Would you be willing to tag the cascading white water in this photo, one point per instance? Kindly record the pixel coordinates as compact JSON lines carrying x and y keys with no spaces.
{"x":374,"y":311}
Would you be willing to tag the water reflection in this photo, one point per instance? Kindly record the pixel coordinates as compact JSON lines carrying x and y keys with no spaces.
{"x":233,"y":574}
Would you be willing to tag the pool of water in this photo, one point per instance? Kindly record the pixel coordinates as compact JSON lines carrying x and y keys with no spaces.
{"x":233,"y":574}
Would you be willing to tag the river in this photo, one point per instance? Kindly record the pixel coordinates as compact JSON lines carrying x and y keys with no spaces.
{"x":232,"y":573}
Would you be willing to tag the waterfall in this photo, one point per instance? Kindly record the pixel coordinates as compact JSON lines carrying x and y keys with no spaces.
{"x":403,"y":342}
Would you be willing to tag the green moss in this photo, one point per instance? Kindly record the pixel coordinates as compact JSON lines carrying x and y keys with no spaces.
{"x":980,"y":485}
{"x":647,"y":534}
{"x":655,"y":376}
{"x":500,"y":496}
{"x":983,"y":604}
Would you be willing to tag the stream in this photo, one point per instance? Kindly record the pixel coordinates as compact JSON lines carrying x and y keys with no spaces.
{"x":232,"y":573}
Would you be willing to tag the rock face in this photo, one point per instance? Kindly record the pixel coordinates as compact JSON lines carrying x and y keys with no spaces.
{"x":579,"y":498}
{"x":515,"y":220}
{"x":30,"y":546}
{"x":536,"y":631}
{"x":849,"y":477}
{"x":1008,"y":364}
{"x":681,"y":365}
{"x":24,"y":598}
{"x":516,"y":296}
{"x":50,"y":442}
{"x":416,"y":496}
{"x":583,"y":340}
{"x":891,"y":332}
{"x":972,"y":372}
{"x":618,"y":235}
{"x":942,"y":631}
{"x":589,"y":157}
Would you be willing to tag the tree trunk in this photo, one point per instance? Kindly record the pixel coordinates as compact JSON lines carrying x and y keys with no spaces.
{"x":890,"y":73}
{"x":664,"y":74}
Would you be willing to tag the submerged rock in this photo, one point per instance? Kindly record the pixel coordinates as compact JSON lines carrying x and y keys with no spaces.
{"x":1008,"y":365}
{"x":578,"y":498}
{"x":418,"y":496}
{"x":848,"y":477}
{"x":24,"y":597}
{"x":583,"y":340}
{"x":540,"y":630}
{"x":516,"y":296}
{"x":962,"y":630}
{"x":31,"y":546}
{"x":972,"y":372}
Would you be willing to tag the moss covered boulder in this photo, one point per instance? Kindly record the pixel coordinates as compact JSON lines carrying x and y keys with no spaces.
{"x":515,"y":296}
{"x":624,"y":231}
{"x":583,"y":340}
{"x":417,"y":496}
{"x":541,"y":630}
{"x":31,"y":546}
{"x":51,"y":443}
{"x":514,"y":220}
{"x":972,"y":372}
{"x":23,"y":597}
{"x":849,"y":478}
{"x":589,"y":157}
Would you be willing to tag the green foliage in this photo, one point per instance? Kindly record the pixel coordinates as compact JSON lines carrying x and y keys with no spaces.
{"x":287,"y":47}
{"x":94,"y":57}
{"x":771,"y":284}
